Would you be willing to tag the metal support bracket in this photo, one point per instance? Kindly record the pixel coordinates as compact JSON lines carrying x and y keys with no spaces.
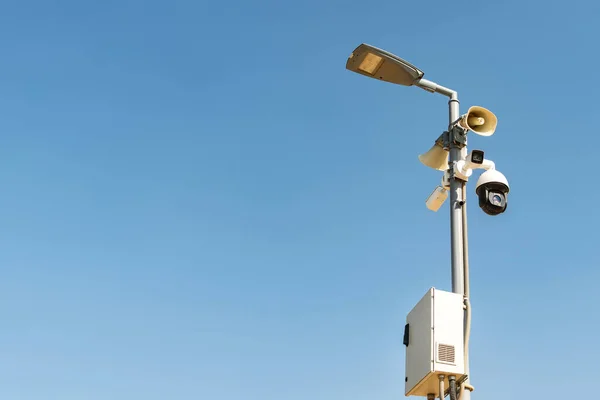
{"x":444,"y":140}
{"x":458,"y":383}
{"x":458,"y":136}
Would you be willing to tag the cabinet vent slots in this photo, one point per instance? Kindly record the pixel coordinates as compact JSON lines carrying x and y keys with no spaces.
{"x":446,"y":353}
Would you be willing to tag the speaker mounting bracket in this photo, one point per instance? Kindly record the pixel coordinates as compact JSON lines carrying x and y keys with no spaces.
{"x":444,"y":140}
{"x":458,"y":136}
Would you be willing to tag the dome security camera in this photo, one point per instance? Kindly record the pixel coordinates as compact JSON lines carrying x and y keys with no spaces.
{"x":492,"y":189}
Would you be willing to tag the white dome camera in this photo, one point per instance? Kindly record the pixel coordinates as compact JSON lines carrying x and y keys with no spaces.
{"x":492,"y":189}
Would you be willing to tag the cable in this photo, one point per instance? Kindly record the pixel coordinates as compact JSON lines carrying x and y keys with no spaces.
{"x":467,"y":332}
{"x":465,"y":242}
{"x":442,"y":390}
{"x":452,"y":386}
{"x":464,"y":385}
{"x":467,"y":289}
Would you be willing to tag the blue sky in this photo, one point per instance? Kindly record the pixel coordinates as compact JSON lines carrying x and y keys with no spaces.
{"x":200,"y":202}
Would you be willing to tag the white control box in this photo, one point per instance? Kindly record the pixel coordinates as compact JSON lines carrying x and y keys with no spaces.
{"x":433,"y":337}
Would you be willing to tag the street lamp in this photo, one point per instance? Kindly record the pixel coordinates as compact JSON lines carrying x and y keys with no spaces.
{"x":379,"y":64}
{"x":448,"y":154}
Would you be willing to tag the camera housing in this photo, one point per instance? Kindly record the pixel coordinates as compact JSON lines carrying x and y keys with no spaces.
{"x":492,"y":189}
{"x":463,"y":169}
{"x":476,"y":157}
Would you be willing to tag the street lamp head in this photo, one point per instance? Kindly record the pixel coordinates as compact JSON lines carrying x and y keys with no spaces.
{"x":379,"y":64}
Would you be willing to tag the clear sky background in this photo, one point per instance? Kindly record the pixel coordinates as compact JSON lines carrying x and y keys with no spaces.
{"x":200,"y":202}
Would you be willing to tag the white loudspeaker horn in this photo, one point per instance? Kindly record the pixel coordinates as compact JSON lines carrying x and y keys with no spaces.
{"x":479,"y":120}
{"x":436,"y":157}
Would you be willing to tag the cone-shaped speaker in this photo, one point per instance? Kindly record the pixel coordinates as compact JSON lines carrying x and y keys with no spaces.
{"x":436,"y":158}
{"x":479,"y":120}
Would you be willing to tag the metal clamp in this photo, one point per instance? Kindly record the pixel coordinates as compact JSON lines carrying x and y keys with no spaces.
{"x":458,"y":136}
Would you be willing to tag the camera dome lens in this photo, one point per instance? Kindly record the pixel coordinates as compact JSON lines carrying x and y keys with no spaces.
{"x":493,"y":197}
{"x":496,"y":200}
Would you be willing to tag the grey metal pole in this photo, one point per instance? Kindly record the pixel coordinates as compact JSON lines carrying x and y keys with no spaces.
{"x":457,"y":198}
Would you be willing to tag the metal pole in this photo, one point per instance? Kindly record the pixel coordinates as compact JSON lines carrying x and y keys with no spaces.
{"x":457,"y":199}
{"x":458,"y":224}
